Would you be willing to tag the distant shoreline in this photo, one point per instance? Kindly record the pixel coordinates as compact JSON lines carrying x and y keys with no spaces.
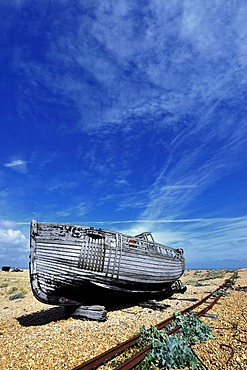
{"x":186,"y":269}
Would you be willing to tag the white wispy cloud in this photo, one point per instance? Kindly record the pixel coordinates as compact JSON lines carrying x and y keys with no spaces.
{"x":17,"y":165}
{"x":80,"y":209}
{"x":14,"y":245}
{"x":201,"y":42}
{"x":56,"y":185}
{"x":7,"y":224}
{"x":10,"y":236}
{"x":132,"y":67}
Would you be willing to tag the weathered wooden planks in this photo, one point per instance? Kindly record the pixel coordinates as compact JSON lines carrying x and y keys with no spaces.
{"x":69,"y":256}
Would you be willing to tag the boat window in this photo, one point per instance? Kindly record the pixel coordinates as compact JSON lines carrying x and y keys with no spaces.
{"x":95,"y":236}
{"x":113,"y":243}
{"x":165,"y":251}
{"x":146,"y":236}
{"x":149,"y":237}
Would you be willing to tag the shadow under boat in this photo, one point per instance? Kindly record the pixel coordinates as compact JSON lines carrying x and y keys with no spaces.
{"x":98,"y":306}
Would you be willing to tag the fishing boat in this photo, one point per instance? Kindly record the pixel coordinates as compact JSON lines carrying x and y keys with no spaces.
{"x":84,"y":266}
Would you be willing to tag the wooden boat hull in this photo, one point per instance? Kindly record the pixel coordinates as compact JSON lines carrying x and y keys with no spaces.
{"x":71,"y":265}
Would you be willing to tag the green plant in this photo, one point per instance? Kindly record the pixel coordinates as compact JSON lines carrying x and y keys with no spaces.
{"x":200,"y":284}
{"x":191,"y":282}
{"x":17,"y":296}
{"x":193,"y":330}
{"x":11,"y":289}
{"x":221,"y":292}
{"x":3,"y":285}
{"x":174,"y":351}
{"x":214,"y":274}
{"x":198,"y":272}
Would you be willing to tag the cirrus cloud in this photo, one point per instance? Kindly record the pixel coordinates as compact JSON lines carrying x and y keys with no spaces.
{"x":17,"y":165}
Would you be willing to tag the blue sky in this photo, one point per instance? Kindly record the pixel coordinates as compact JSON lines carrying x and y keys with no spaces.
{"x":129,"y":116}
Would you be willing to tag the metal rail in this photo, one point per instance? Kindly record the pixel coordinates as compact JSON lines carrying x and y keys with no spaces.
{"x":110,"y":354}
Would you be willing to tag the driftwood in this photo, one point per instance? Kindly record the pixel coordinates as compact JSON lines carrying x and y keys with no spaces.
{"x":209,"y":315}
{"x":90,"y":312}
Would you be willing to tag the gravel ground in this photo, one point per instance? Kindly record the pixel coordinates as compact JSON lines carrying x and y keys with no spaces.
{"x":36,"y":336}
{"x":229,"y":348}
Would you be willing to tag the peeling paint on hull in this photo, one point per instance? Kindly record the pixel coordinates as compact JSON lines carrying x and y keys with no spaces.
{"x":73,"y":265}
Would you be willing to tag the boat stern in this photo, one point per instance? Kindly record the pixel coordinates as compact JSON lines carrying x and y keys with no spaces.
{"x":40,"y":283}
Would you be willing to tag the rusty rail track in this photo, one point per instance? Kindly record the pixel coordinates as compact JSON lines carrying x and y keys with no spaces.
{"x":130,"y":363}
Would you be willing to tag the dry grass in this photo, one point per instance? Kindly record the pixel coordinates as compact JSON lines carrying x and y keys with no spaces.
{"x":14,"y":283}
